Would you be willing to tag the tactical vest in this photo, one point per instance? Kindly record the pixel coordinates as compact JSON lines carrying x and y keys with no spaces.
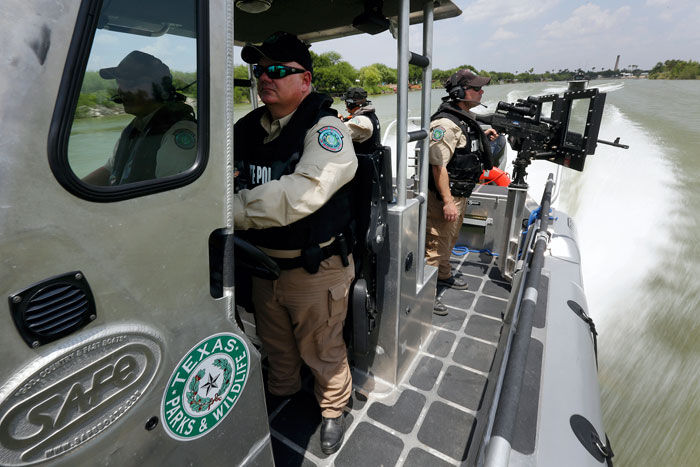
{"x":373,"y":143}
{"x":279,"y":157}
{"x":465,"y":166}
{"x":135,"y":157}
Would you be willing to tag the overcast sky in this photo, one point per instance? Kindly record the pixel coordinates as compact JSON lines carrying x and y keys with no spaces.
{"x":516,"y":35}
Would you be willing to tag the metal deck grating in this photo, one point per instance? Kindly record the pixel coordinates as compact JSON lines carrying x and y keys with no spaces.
{"x":429,"y":418}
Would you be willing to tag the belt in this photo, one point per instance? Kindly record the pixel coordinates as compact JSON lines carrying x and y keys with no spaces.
{"x":292,"y":263}
{"x":289,"y":254}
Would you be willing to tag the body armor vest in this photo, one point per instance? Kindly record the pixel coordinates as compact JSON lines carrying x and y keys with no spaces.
{"x":374,"y":142}
{"x":135,"y":157}
{"x":259,"y":163}
{"x":465,"y":166}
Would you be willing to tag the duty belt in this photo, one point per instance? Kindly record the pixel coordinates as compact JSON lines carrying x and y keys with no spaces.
{"x":310,"y":257}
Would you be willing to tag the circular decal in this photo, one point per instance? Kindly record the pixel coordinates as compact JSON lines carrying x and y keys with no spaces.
{"x":205,"y":386}
{"x":330,"y":138}
{"x":184,"y":139}
{"x":437,"y":134}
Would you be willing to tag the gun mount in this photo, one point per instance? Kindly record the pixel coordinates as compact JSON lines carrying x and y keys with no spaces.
{"x":565,"y":137}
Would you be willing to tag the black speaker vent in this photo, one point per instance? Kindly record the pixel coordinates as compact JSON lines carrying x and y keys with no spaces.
{"x":53,"y":308}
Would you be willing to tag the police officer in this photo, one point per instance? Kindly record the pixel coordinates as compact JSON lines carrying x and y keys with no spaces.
{"x":362,"y":121}
{"x":297,"y":159}
{"x":459,"y":151}
{"x":162,"y":138}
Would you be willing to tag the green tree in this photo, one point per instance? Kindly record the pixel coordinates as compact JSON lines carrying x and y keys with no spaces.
{"x":370,"y":79}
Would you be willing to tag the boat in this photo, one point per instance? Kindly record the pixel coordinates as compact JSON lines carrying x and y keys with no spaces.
{"x":121,"y":299}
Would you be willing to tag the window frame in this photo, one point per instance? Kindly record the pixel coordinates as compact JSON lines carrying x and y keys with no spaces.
{"x":67,"y":99}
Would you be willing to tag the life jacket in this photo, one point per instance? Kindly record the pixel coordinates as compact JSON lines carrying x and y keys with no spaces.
{"x":279,"y":157}
{"x":494,"y":176}
{"x":465,"y":166}
{"x":374,"y":142}
{"x":135,"y":157}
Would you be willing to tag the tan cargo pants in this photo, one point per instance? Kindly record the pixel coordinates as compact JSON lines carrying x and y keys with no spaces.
{"x":300,"y":317}
{"x":441,"y":235}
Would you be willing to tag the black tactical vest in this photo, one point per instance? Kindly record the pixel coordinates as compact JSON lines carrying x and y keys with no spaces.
{"x":135,"y":157}
{"x":465,"y":166}
{"x":259,"y":163}
{"x":374,"y":142}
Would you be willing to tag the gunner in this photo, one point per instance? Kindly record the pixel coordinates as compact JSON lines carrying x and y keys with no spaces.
{"x":459,"y":152}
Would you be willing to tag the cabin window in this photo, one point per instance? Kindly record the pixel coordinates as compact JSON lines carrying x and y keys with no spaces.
{"x":135,"y":120}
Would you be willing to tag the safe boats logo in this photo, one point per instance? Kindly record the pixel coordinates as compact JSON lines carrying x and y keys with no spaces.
{"x":205,"y":386}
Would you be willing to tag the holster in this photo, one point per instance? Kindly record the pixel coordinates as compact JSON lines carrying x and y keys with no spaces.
{"x":311,"y":258}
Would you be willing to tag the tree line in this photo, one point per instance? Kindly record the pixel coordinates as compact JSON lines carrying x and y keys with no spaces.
{"x":334,"y":76}
{"x":675,"y":69}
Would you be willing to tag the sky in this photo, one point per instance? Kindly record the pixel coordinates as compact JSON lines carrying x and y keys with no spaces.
{"x":493,"y":35}
{"x":516,"y":35}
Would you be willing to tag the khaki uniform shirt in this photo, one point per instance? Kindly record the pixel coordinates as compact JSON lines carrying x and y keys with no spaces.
{"x":445,"y":137}
{"x":172,"y":158}
{"x":321,"y":171}
{"x":361,"y":128}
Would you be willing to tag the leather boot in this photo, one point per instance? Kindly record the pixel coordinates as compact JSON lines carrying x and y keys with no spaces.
{"x":332,"y":431}
{"x":439,"y":308}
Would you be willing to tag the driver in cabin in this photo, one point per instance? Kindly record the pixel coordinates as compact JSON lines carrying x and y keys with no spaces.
{"x":296,"y":162}
{"x":161,"y":140}
{"x":362,"y":121}
{"x":458,"y":153}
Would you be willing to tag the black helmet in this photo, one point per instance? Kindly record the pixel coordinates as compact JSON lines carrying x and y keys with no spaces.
{"x":355,"y":96}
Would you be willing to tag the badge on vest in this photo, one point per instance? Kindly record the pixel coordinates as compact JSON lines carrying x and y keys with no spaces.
{"x":184,"y":139}
{"x":330,"y":139}
{"x":437,"y":134}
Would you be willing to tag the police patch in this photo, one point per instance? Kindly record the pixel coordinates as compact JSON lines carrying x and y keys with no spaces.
{"x":330,"y":138}
{"x":437,"y":134}
{"x":184,"y":139}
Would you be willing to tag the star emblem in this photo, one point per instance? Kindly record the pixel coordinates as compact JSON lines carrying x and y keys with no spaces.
{"x":211,"y":384}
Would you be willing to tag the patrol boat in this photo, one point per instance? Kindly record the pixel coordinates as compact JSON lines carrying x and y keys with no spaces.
{"x":123,"y":343}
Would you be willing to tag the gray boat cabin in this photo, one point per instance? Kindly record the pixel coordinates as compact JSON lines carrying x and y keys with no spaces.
{"x":120,"y":297}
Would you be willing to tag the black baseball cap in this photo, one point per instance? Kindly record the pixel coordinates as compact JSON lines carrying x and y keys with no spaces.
{"x":279,"y":47}
{"x":138,"y":64}
{"x":465,"y":77}
{"x":355,"y":94}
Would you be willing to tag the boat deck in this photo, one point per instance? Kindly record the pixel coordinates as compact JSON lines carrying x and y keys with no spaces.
{"x":433,"y":415}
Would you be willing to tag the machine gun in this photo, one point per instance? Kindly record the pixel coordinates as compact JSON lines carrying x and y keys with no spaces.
{"x":536,"y":136}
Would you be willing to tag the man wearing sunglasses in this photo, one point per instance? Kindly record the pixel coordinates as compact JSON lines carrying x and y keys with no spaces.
{"x":459,"y":152}
{"x":296,"y":160}
{"x":161,"y":140}
{"x":362,"y":121}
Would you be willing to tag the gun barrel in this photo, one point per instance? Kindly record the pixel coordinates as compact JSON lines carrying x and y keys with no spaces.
{"x":615,"y":143}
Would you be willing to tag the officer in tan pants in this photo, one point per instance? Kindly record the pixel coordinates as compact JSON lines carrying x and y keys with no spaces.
{"x":459,"y":151}
{"x":296,"y":161}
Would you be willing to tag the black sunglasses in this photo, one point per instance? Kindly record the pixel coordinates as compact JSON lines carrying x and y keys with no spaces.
{"x":275,"y":71}
{"x":476,"y":88}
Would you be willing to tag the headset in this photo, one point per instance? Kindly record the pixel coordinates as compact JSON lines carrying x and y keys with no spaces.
{"x":458,"y":93}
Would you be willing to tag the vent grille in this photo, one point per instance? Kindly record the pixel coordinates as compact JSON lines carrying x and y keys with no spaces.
{"x":53,"y":308}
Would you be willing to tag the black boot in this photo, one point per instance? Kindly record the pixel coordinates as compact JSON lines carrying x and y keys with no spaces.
{"x":332,"y":431}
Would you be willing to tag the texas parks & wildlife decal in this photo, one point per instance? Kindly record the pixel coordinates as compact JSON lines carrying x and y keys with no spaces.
{"x":205,"y":385}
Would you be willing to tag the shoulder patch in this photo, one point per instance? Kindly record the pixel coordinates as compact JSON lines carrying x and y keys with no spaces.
{"x":437,"y":134}
{"x":184,"y":138}
{"x":330,"y":139}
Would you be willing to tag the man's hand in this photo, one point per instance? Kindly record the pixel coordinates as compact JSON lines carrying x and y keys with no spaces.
{"x":491,"y":133}
{"x":449,"y":210}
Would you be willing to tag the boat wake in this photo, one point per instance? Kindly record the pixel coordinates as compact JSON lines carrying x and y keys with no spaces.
{"x":614,"y":202}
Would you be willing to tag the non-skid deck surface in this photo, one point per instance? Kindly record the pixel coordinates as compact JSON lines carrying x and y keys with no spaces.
{"x":429,"y":419}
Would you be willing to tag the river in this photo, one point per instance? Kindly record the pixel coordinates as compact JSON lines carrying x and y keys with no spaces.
{"x":637,"y":214}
